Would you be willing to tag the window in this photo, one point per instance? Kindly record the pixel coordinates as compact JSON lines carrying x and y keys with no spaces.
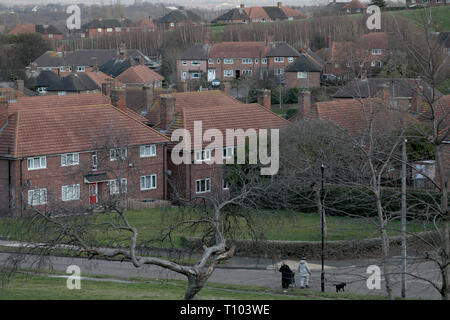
{"x":148,"y":182}
{"x":291,"y":59}
{"x":218,"y":60}
{"x":70,"y":159}
{"x":228,"y":152}
{"x":99,"y":30}
{"x":279,"y":59}
{"x":195,"y":75}
{"x":37,"y":197}
{"x":279,"y":71}
{"x":61,"y":93}
{"x":115,"y":187}
{"x":256,"y":60}
{"x":62,"y":69}
{"x":71,"y":192}
{"x":376,"y":51}
{"x":148,"y":151}
{"x":264,"y":60}
{"x":202,"y":155}
{"x":80,"y":69}
{"x":348,"y":64}
{"x":114,"y":154}
{"x":184,"y":63}
{"x":228,"y":73}
{"x":118,"y":29}
{"x":50,"y":36}
{"x":361,"y":64}
{"x":172,"y":24}
{"x":109,"y":29}
{"x":211,"y":61}
{"x":42,"y":90}
{"x":203,"y":185}
{"x":70,"y":69}
{"x":247,"y":72}
{"x":336,"y":65}
{"x":37,"y":163}
{"x":227,"y":61}
{"x":184,"y":75}
{"x":94,"y":161}
{"x":358,"y":10}
{"x":246,"y":60}
{"x":195,"y":63}
{"x":302,"y":75}
{"x":225,"y":185}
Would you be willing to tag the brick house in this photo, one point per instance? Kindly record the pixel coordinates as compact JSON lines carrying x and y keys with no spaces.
{"x":215,"y":110}
{"x":140,"y":75}
{"x":415,"y":3}
{"x":179,"y":18}
{"x":348,"y":59}
{"x":303,"y":73}
{"x":109,"y":27}
{"x":48,"y":32}
{"x":231,"y":60}
{"x":66,"y":152}
{"x":352,"y":7}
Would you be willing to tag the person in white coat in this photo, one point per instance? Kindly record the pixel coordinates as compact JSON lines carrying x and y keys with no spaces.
{"x":304,"y":273}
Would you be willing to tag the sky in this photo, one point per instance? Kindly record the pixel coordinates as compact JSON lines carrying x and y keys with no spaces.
{"x":185,"y":2}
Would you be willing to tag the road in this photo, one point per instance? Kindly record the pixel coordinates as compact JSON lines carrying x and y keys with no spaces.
{"x":262,"y":273}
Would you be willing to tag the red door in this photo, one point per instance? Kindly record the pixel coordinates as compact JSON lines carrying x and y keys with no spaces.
{"x":93,"y":191}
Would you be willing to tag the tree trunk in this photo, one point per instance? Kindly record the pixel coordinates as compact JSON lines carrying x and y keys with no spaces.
{"x":384,"y":246}
{"x":196,"y":283}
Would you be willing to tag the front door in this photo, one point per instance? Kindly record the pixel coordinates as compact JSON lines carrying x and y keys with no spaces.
{"x":93,"y":192}
{"x":211,"y":74}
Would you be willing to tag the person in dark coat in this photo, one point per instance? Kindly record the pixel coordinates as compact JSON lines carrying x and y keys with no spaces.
{"x":286,"y":275}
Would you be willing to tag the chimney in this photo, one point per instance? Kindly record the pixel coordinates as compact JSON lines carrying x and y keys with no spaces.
{"x":242,"y":6}
{"x":147,"y":91}
{"x":167,"y":112}
{"x":304,"y":104}
{"x":119,"y":98}
{"x":385,"y":93}
{"x":263,"y":98}
{"x":279,"y":4}
{"x":227,"y":88}
{"x":20,"y":85}
{"x":141,"y":61}
{"x":3,"y":112}
{"x":122,"y":51}
{"x":106,"y":88}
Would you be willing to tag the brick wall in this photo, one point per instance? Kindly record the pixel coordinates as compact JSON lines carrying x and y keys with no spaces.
{"x":189,"y":68}
{"x":292,"y":81}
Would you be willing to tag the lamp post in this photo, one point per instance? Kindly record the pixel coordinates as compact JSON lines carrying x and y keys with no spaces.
{"x":322,"y":274}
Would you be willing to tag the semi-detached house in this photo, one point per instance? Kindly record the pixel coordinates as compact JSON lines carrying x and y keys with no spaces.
{"x":75,"y":151}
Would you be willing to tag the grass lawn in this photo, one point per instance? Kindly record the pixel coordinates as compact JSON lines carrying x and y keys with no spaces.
{"x":440,"y":16}
{"x":41,"y":287}
{"x":270,"y":225}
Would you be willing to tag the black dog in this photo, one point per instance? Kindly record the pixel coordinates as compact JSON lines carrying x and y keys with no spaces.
{"x":340,"y":286}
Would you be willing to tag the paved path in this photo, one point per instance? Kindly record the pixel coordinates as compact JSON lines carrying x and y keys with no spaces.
{"x":260,"y":272}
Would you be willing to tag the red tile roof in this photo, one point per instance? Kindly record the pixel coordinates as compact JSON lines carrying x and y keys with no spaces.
{"x":23,"y":28}
{"x":99,"y":77}
{"x":139,"y":74}
{"x":239,"y":49}
{"x":354,"y":4}
{"x":291,"y":12}
{"x":55,"y":130}
{"x":147,"y":24}
{"x":256,"y":12}
{"x":219,"y":111}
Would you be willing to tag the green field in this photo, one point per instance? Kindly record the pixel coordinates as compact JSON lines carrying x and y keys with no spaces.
{"x":40,"y":287}
{"x":439,"y":16}
{"x":270,"y":225}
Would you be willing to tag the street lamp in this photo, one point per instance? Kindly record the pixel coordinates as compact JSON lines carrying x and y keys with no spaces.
{"x":322,"y":274}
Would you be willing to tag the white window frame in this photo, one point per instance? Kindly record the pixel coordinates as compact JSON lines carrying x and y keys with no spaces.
{"x":99,"y":30}
{"x":377,"y":52}
{"x":218,"y":60}
{"x":149,"y":182}
{"x":195,"y":75}
{"x":94,"y":161}
{"x":264,"y":60}
{"x":113,"y":153}
{"x":247,"y":60}
{"x":195,"y":62}
{"x":228,"y":73}
{"x":42,"y":197}
{"x":278,"y":59}
{"x":184,"y":62}
{"x":62,"y":68}
{"x":228,"y":61}
{"x":210,"y":61}
{"x":302,"y":75}
{"x":207,"y":185}
{"x":202,"y":156}
{"x":109,"y":29}
{"x":114,"y":186}
{"x":75,"y":159}
{"x":70,"y":192}
{"x":227,"y":152}
{"x":291,"y":59}
{"x":81,"y":69}
{"x":147,"y":151}
{"x":246,"y":72}
{"x":225,"y":185}
{"x":256,"y":60}
{"x":118,"y":29}
{"x":42,"y":163}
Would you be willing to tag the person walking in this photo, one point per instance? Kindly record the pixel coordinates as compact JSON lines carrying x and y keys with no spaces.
{"x":286,"y":275}
{"x":304,"y":273}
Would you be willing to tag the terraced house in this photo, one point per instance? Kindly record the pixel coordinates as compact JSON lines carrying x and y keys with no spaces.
{"x":75,"y":152}
{"x":232,"y":60}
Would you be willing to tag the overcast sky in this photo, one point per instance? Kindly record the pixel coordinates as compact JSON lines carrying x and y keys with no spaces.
{"x":186,"y":2}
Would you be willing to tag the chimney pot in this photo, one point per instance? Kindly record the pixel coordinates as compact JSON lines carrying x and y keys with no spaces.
{"x":263,"y":98}
{"x":119,"y":98}
{"x":279,"y":4}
